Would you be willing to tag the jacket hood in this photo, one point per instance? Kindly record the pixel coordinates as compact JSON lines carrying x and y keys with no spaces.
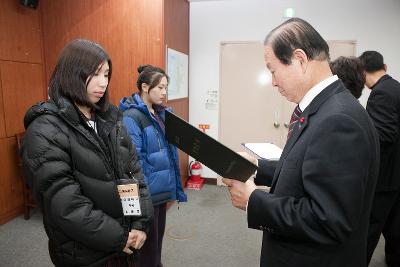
{"x":135,"y":101}
{"x":39,"y":109}
{"x":64,"y":108}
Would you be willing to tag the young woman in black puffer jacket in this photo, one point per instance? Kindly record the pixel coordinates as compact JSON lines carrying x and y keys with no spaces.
{"x":74,"y":152}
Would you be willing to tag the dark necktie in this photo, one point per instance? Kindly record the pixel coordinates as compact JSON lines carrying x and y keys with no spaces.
{"x":295,"y":117}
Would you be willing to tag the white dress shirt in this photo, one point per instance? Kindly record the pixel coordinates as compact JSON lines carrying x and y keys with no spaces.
{"x":314,"y":91}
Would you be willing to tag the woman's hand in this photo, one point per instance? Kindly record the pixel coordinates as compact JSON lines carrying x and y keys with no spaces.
{"x":136,"y":239}
{"x":140,"y":238}
{"x":131,"y":240}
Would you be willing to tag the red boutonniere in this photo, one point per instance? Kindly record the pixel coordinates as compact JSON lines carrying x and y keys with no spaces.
{"x":302,"y":120}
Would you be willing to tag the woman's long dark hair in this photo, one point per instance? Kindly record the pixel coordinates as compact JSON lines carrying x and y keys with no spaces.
{"x":79,"y":61}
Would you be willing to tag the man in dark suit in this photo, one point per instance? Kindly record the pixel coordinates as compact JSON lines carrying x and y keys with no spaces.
{"x":384,"y":108}
{"x":317,"y":210}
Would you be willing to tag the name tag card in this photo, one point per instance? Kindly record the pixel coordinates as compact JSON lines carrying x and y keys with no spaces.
{"x":129,"y":194}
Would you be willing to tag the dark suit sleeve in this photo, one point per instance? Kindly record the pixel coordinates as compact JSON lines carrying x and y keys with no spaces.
{"x":333,"y":173}
{"x":385,"y":116}
{"x":265,"y":172}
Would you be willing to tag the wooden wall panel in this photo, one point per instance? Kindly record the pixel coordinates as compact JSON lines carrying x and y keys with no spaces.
{"x":130,"y":31}
{"x":2,"y":125}
{"x":10,"y":180}
{"x":22,"y":85}
{"x":20,"y":35}
{"x":176,"y":27}
{"x":176,"y":24}
{"x":176,"y":34}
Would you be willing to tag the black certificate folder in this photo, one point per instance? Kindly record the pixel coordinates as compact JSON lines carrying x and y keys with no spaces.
{"x":207,"y":150}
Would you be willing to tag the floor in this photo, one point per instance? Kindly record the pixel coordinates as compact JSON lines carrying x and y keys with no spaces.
{"x":204,"y":232}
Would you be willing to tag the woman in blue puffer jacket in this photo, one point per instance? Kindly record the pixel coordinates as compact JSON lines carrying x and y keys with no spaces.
{"x":144,"y":117}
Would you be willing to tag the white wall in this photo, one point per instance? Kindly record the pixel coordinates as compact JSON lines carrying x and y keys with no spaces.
{"x":375,"y":25}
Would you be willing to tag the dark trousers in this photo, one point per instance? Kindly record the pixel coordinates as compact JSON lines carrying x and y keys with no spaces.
{"x":385,"y":219}
{"x":150,"y":253}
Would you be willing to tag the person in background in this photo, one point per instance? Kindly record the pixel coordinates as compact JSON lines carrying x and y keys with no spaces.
{"x":383,"y":106}
{"x":75,"y":151}
{"x":351,"y":72}
{"x":144,"y":116}
{"x":316,"y":212}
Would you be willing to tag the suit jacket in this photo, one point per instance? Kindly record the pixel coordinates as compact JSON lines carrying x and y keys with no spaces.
{"x":384,"y":108}
{"x":317,"y":211}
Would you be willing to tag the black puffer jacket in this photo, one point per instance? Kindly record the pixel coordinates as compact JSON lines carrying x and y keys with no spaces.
{"x":72,"y":172}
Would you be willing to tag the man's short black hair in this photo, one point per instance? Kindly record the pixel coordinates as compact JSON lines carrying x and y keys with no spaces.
{"x":372,"y":61}
{"x":296,"y":33}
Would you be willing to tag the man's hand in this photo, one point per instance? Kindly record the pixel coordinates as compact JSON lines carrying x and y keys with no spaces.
{"x":240,"y":192}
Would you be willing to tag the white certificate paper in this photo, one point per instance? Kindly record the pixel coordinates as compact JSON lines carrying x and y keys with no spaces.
{"x":264,"y":150}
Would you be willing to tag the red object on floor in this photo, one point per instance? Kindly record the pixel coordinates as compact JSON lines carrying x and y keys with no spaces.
{"x":195,"y":181}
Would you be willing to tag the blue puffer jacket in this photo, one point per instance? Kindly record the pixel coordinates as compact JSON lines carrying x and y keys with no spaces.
{"x":159,"y":159}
